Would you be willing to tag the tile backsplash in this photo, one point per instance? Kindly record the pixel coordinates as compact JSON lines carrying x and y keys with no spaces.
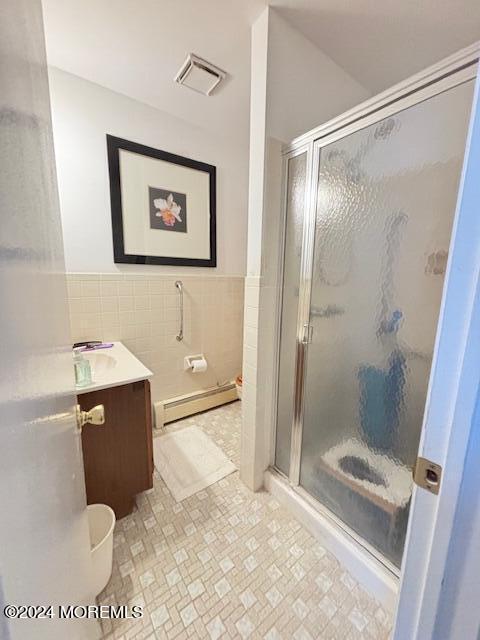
{"x":143,"y":312}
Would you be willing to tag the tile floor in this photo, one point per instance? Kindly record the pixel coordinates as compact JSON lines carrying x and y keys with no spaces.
{"x":228,"y":563}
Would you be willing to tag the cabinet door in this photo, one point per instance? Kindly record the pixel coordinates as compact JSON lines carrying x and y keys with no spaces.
{"x":118,"y":455}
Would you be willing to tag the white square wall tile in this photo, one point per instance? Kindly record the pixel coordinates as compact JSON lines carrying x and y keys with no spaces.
{"x":141,"y":310}
{"x":249,"y":374}
{"x":74,"y":289}
{"x":251,"y":337}
{"x":126,"y":303}
{"x":249,"y":393}
{"x":251,"y":317}
{"x":142,"y":302}
{"x":109,"y":303}
{"x":125,"y":288}
{"x":108,"y":288}
{"x":141,"y":287}
{"x":250,"y":355}
{"x":90,"y":289}
{"x":156,"y":286}
{"x":76,"y":305}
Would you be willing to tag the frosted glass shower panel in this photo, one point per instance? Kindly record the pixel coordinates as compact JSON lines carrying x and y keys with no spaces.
{"x":385,"y":205}
{"x":296,"y":173}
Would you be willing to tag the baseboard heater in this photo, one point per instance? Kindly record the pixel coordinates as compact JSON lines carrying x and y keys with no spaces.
{"x":182,"y":406}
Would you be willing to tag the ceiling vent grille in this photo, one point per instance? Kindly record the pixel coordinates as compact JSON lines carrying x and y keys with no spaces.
{"x":199,"y":75}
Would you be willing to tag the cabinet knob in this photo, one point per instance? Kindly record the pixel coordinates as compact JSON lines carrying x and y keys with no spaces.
{"x":96,"y":415}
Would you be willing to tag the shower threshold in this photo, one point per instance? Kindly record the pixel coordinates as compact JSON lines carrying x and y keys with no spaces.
{"x":377,"y":575}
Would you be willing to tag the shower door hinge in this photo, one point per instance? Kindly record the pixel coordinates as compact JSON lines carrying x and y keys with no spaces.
{"x":307,"y":333}
{"x":427,"y":474}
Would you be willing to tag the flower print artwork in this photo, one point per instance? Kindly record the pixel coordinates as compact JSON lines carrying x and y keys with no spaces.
{"x":163,"y":206}
{"x":168,"y":210}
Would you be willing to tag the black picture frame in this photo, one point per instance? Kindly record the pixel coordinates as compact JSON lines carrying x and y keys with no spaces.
{"x":114,"y":145}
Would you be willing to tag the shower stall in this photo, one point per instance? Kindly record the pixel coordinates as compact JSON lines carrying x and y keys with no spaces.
{"x":369,"y":205}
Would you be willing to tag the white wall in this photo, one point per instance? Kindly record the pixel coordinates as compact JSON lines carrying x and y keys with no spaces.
{"x":305,"y":86}
{"x":258,"y":117}
{"x":294,"y":87}
{"x":83,"y":113}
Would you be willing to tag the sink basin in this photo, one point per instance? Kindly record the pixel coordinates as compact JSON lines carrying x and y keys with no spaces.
{"x":113,"y":367}
{"x":100,"y":363}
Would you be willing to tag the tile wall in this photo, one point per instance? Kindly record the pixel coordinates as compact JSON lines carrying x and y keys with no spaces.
{"x":259,"y":379}
{"x":143,"y":312}
{"x":251,"y":467}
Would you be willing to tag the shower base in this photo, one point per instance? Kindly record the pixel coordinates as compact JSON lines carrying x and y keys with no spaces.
{"x":378,"y":577}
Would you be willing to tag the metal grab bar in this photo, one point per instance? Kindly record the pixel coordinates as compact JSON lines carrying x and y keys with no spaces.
{"x":179,"y":286}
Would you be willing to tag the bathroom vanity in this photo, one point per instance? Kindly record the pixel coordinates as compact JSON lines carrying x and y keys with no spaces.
{"x":118,"y":455}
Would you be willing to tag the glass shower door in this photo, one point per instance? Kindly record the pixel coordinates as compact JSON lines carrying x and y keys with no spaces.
{"x":385,"y":203}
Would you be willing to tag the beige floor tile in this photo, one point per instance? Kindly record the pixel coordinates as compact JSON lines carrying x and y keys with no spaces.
{"x":228,"y":563}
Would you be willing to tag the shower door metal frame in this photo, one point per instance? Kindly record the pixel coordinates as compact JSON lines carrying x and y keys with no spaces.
{"x":306,"y":148}
{"x":450,"y":72}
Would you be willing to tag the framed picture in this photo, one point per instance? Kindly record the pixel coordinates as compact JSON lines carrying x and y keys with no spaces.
{"x":163,"y":206}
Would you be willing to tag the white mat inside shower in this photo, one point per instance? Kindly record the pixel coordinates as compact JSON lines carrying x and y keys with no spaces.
{"x":188,"y":461}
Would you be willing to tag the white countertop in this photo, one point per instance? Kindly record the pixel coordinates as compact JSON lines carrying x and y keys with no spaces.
{"x":113,"y":367}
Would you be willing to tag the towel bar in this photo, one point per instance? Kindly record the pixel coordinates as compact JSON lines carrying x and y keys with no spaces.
{"x":179,"y":286}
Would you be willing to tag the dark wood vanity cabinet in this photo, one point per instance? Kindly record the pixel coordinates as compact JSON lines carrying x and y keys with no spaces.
{"x":118,"y":455}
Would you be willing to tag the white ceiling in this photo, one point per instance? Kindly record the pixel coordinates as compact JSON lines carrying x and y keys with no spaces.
{"x":135,"y":47}
{"x":380,"y":42}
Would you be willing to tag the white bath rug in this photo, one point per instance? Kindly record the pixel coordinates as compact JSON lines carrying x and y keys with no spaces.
{"x":188,"y":461}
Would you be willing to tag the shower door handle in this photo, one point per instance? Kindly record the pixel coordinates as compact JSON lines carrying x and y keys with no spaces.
{"x":307,"y":334}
